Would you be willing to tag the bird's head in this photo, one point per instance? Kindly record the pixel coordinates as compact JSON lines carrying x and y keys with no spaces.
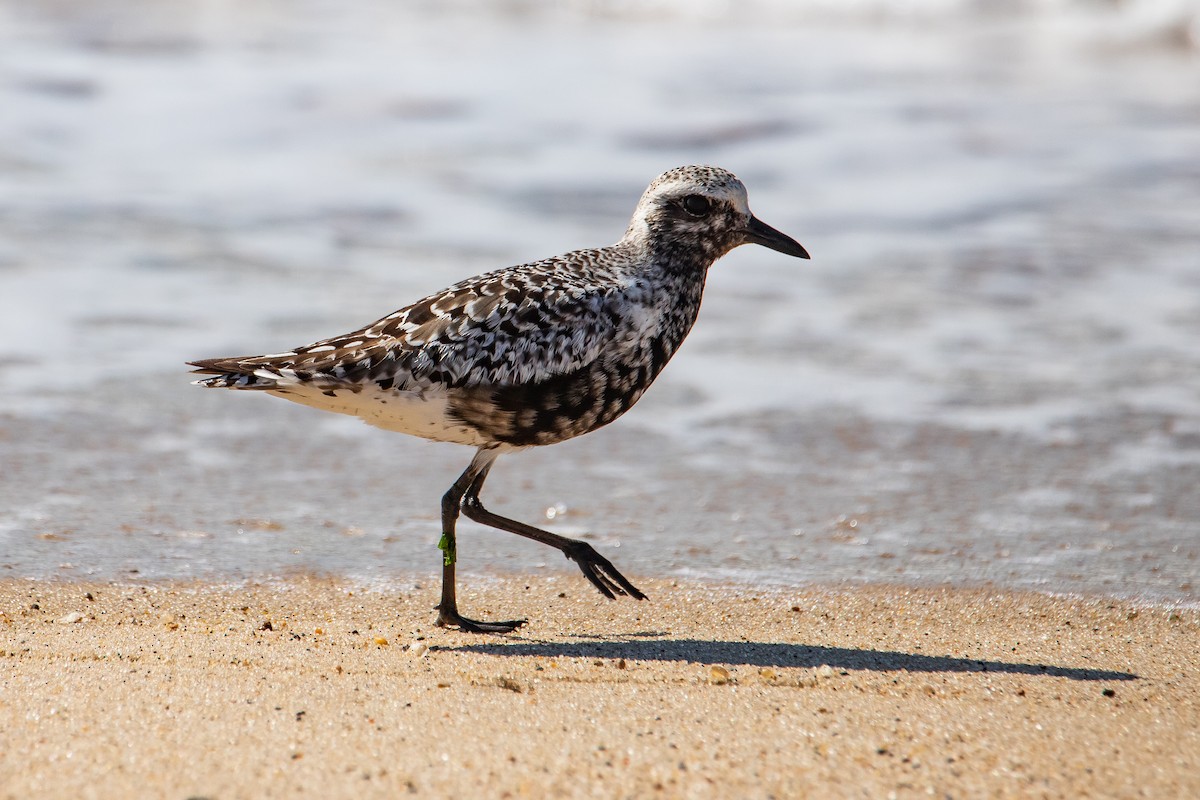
{"x":702,"y":211}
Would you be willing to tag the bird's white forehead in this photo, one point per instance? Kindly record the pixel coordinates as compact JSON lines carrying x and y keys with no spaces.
{"x":712,"y":182}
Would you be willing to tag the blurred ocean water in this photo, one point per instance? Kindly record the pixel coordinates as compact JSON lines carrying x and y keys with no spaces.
{"x":989,"y":372}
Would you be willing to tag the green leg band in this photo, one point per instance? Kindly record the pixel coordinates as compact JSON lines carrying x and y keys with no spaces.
{"x":447,"y":546}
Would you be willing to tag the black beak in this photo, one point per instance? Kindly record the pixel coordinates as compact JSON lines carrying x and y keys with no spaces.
{"x":759,"y":232}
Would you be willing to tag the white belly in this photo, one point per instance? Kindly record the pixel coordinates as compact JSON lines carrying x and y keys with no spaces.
{"x":424,"y":414}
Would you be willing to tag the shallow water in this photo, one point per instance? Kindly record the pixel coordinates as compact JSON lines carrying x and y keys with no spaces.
{"x":989,"y":371}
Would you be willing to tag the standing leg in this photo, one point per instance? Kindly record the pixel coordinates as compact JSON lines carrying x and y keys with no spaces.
{"x":451,"y":503}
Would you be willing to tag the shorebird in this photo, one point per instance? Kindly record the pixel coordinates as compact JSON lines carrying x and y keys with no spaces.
{"x":528,"y":355}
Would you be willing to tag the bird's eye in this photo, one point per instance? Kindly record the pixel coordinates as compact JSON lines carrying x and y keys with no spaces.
{"x":696,"y":205}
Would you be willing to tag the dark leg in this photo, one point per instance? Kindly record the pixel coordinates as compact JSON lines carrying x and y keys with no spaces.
{"x":451,"y":502}
{"x":598,"y":569}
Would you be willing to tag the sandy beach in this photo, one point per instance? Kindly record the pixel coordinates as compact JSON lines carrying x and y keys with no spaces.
{"x":320,"y":688}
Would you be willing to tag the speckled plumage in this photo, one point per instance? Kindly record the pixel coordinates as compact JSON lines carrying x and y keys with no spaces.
{"x":532,"y":354}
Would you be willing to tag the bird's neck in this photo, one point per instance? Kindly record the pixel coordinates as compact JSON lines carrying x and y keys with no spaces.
{"x":673,"y":286}
{"x":668,"y":255}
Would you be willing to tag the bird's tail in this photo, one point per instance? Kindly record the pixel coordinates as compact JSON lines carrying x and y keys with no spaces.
{"x":237,"y":373}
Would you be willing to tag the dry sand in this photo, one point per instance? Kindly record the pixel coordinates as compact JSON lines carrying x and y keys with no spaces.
{"x":705,"y":691}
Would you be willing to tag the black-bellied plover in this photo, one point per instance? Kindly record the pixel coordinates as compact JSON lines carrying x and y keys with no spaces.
{"x":529,"y":355}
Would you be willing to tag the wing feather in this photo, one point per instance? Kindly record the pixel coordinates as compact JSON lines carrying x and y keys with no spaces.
{"x":510,"y":327}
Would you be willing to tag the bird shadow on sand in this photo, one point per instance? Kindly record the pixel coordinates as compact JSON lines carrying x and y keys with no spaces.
{"x":771,"y":654}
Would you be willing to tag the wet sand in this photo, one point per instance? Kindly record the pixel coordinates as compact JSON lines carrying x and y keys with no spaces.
{"x":315,"y":687}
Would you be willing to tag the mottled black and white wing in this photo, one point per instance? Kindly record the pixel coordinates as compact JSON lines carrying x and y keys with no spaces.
{"x":514,"y":326}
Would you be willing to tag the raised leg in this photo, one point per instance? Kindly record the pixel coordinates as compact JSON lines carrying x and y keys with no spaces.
{"x":451,"y":503}
{"x":596,"y":568}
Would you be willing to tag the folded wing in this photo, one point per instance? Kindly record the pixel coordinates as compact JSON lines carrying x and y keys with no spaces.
{"x":511,"y":327}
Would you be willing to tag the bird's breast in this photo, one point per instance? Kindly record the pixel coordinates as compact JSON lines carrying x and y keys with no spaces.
{"x":570,"y":404}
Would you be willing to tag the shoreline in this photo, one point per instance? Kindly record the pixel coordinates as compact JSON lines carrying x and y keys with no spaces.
{"x":318,"y":685}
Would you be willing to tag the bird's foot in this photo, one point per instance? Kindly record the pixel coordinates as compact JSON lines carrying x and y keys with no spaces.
{"x":451,"y":618}
{"x":600,"y":571}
